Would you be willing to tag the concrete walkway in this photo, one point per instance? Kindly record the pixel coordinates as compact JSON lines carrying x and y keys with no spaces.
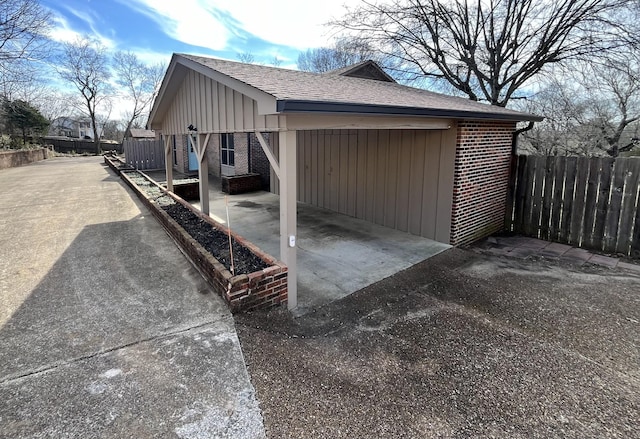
{"x":105,"y":329}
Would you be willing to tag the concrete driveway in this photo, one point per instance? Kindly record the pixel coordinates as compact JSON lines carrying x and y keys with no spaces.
{"x":106,"y":331}
{"x":462,"y":345}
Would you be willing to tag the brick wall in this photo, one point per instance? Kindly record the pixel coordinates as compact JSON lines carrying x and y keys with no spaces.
{"x":482,"y":166}
{"x":259,"y":163}
{"x":182,"y":157}
{"x":240,"y":184}
{"x":241,"y":145}
{"x":213,"y":155}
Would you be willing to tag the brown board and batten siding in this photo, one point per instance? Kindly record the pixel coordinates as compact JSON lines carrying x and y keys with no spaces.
{"x":213,"y":107}
{"x":395,"y":178}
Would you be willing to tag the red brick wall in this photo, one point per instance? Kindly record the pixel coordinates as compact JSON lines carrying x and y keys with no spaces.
{"x":241,"y":145}
{"x":258,"y":159}
{"x":213,"y":155}
{"x":482,"y":165}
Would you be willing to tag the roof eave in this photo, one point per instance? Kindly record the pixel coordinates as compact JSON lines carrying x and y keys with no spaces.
{"x":301,"y":106}
{"x":176,"y":73}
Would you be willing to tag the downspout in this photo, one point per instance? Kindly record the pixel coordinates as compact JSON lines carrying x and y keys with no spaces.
{"x":511,"y":192}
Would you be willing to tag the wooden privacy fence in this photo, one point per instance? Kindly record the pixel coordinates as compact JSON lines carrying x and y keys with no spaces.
{"x":144,"y":154}
{"x":80,"y":146}
{"x":586,"y":202}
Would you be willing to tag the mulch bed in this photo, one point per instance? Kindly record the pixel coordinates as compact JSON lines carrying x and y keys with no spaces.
{"x":213,"y":240}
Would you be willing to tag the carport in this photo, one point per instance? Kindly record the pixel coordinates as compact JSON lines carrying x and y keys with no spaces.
{"x":337,"y":254}
{"x":353,"y":142}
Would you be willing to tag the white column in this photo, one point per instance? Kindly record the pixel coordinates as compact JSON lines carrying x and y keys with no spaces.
{"x":203,"y":173}
{"x":288,"y":217}
{"x":168,"y":161}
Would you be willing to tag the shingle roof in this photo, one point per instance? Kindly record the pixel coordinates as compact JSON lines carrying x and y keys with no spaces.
{"x":304,"y":91}
{"x":365,"y":69}
{"x":140,"y":133}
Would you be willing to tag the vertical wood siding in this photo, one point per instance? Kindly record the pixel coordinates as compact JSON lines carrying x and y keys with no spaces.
{"x":214,"y":108}
{"x":401,"y":179}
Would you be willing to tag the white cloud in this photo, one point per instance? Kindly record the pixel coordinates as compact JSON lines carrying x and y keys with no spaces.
{"x":294,"y":23}
{"x":62,"y":32}
{"x":187,"y":21}
{"x":151,"y":57}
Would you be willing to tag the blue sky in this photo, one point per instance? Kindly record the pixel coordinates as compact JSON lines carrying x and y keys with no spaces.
{"x":154,"y":29}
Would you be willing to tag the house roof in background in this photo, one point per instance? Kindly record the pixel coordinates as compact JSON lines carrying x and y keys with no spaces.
{"x":364,"y":69}
{"x":140,"y":133}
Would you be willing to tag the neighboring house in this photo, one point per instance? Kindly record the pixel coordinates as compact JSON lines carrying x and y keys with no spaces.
{"x":72,"y":127}
{"x":63,"y":126}
{"x":140,"y":134}
{"x":352,"y":141}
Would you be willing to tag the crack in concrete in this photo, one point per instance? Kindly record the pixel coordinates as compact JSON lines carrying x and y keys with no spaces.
{"x":57,"y":364}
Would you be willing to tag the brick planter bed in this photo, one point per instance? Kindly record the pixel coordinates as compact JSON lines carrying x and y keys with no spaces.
{"x":239,"y":184}
{"x":187,"y":189}
{"x":243,"y":291}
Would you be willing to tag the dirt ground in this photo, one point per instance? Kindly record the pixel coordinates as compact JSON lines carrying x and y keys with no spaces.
{"x":461,"y":345}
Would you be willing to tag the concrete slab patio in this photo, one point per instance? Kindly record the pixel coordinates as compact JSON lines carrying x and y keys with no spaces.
{"x":337,"y":254}
{"x":106,"y":330}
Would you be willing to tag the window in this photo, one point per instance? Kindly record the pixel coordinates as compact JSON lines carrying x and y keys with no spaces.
{"x":227,"y":152}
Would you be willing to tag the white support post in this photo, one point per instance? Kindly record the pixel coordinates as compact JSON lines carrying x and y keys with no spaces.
{"x":288,"y":217}
{"x":168,"y":161}
{"x":203,"y":173}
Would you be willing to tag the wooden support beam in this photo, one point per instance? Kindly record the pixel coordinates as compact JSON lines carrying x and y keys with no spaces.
{"x":168,"y":161}
{"x":203,"y":172}
{"x":203,"y":147}
{"x":288,"y":217}
{"x":270,"y":156}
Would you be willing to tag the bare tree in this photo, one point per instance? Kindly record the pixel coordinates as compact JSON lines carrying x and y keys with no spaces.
{"x":84,"y":64}
{"x":24,"y":26}
{"x":614,"y":88}
{"x":594,"y":109}
{"x":344,"y":52}
{"x":140,"y":84}
{"x":246,"y":57}
{"x":488,"y":50}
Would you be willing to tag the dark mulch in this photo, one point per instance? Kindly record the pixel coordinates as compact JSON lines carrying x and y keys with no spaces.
{"x":213,"y":240}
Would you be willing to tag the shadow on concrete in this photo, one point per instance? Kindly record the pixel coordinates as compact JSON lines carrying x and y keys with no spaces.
{"x":119,"y":340}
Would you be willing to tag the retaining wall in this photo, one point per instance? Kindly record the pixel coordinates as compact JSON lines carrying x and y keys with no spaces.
{"x":12,"y":159}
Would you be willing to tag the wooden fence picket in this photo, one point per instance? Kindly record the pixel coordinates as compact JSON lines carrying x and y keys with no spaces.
{"x":587,"y":202}
{"x":144,"y":154}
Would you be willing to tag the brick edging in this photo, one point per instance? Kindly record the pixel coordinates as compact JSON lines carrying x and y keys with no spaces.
{"x":245,"y":292}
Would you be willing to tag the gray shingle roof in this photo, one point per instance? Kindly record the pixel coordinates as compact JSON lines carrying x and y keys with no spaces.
{"x":335,"y":91}
{"x":142,"y":133}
